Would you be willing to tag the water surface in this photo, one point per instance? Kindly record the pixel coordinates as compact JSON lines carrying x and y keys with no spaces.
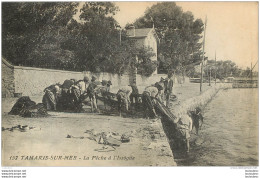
{"x":229,"y":135}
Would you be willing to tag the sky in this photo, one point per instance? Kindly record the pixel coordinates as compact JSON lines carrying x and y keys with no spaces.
{"x":231,"y":32}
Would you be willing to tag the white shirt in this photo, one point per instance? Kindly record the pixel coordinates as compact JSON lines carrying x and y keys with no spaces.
{"x":126,"y":89}
{"x":82,"y":86}
{"x":153,"y":91}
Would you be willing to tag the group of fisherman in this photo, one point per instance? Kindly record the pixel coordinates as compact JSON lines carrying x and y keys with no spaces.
{"x":72,"y":94}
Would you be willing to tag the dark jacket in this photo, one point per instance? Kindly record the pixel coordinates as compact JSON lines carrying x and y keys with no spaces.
{"x":169,"y":86}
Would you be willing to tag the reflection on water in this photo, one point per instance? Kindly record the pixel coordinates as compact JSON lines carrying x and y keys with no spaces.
{"x":229,"y":135}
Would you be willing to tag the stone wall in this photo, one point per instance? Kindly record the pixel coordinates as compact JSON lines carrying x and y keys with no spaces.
{"x":32,"y":81}
{"x":7,"y":79}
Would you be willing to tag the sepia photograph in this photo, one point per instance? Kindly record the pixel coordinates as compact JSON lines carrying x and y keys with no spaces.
{"x":120,"y":84}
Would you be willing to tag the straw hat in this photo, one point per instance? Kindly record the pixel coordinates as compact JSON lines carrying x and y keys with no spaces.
{"x":109,"y":82}
{"x":93,"y":78}
{"x":158,"y":86}
{"x":57,"y":88}
{"x":85,"y":79}
{"x":104,"y":82}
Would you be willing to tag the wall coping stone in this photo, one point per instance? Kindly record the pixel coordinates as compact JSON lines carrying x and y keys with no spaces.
{"x":44,"y":69}
{"x":7,"y":63}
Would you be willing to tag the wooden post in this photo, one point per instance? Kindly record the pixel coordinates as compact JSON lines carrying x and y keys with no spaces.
{"x":202,"y":62}
{"x":251,"y":72}
{"x":209,"y":76}
{"x":215,"y":68}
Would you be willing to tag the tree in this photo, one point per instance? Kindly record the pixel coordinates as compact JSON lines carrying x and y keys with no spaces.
{"x":179,"y":35}
{"x":94,"y":40}
{"x":223,"y":69}
{"x":32,"y":30}
{"x":45,"y":34}
{"x":97,"y":47}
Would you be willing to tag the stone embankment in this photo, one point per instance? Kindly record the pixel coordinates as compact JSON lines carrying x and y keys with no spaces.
{"x":197,"y":101}
{"x":180,"y":110}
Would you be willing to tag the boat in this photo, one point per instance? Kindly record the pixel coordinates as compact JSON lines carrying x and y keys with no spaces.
{"x":195,"y":80}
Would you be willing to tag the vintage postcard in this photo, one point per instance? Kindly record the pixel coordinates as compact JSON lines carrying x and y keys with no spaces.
{"x":129,"y":84}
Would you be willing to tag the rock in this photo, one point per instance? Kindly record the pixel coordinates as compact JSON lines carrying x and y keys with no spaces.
{"x":92,"y":138}
{"x":101,"y":140}
{"x":24,"y":126}
{"x":199,"y":141}
{"x":125,"y":138}
{"x":152,"y":146}
{"x":113,"y":142}
{"x":115,"y":133}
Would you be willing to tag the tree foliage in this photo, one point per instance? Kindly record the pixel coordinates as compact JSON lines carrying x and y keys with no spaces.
{"x":46,"y":34}
{"x":179,"y":35}
{"x":32,"y":32}
{"x":222,"y":69}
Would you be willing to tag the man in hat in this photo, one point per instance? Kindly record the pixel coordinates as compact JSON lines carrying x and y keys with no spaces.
{"x":163,"y":83}
{"x":134,"y":97}
{"x":103,"y":90}
{"x":123,"y":98}
{"x":65,"y":100}
{"x":93,"y":78}
{"x":83,"y":84}
{"x":77,"y":95}
{"x":184,"y":127}
{"x":67,"y":84}
{"x":168,"y":89}
{"x":74,"y":81}
{"x":160,"y":87}
{"x":109,"y":83}
{"x":134,"y":94}
{"x":91,"y":93}
{"x":148,"y":96}
{"x":104,"y":83}
{"x":197,"y":119}
{"x":50,"y":98}
{"x":74,"y":97}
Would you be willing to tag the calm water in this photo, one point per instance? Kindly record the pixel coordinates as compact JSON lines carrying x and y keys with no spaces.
{"x":229,"y":135}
